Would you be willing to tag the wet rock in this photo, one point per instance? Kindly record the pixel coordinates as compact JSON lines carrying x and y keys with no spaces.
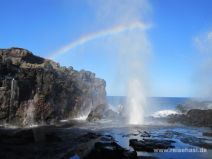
{"x":200,"y":117}
{"x":196,"y":141}
{"x":102,"y":112}
{"x":145,"y":134}
{"x":112,"y":150}
{"x":194,"y":117}
{"x":88,"y":136}
{"x":52,"y":137}
{"x":34,"y":90}
{"x":188,"y":139}
{"x":97,"y":113}
{"x":141,"y":133}
{"x":49,"y":142}
{"x":207,"y":134}
{"x":107,"y":138}
{"x":149,"y":145}
{"x":110,"y":114}
{"x":28,"y":136}
{"x":129,"y":135}
{"x":12,"y":137}
{"x":147,"y":157}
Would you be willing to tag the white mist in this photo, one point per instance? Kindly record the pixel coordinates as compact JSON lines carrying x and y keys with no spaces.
{"x":136,"y":101}
{"x":126,"y":23}
{"x":133,"y":50}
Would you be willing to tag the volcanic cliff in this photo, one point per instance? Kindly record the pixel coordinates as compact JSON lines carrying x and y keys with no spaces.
{"x":34,"y":90}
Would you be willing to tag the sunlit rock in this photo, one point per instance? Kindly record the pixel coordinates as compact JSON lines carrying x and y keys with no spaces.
{"x":34,"y":90}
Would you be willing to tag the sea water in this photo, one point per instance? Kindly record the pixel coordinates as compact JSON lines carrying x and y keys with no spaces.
{"x":154,"y":104}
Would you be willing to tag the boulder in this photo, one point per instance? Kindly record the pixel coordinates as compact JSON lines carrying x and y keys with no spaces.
{"x":112,"y":150}
{"x":97,"y":113}
{"x":149,"y":145}
{"x":194,"y":117}
{"x":198,"y":117}
{"x":102,"y":112}
{"x":209,"y":134}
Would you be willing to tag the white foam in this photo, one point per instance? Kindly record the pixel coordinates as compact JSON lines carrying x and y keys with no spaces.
{"x":33,"y":125}
{"x":164,"y":113}
{"x":82,"y":117}
{"x":117,"y":108}
{"x":64,"y":120}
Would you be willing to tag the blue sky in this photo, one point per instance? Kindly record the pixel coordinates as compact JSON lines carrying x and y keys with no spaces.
{"x":44,"y":26}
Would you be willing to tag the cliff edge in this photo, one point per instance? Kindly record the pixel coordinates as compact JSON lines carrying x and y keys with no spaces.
{"x":34,"y":90}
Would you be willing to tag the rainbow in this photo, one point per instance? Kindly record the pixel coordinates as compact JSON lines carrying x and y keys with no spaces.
{"x":92,"y":36}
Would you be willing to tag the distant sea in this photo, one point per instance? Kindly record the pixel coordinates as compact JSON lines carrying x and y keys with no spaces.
{"x":154,"y":104}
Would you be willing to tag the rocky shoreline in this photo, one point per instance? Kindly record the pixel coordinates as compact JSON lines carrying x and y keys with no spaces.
{"x":34,"y":90}
{"x":38,"y":91}
{"x":75,"y":139}
{"x":194,"y":117}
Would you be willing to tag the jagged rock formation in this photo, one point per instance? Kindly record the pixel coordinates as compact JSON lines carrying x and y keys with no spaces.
{"x":102,"y":112}
{"x":35,"y":90}
{"x":194,"y":117}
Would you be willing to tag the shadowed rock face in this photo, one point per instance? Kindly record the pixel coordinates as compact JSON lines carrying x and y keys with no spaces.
{"x":102,"y":112}
{"x":194,"y":117}
{"x":35,"y":90}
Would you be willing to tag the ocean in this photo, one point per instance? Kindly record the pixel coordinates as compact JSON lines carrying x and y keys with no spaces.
{"x":154,"y":104}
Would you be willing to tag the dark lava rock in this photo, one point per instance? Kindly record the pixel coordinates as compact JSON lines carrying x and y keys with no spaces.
{"x":110,"y":150}
{"x":194,"y":117}
{"x":200,"y":117}
{"x":97,"y":113}
{"x":16,"y":137}
{"x":147,"y":157}
{"x":44,"y":142}
{"x":188,"y":139}
{"x":149,"y":145}
{"x":88,"y":136}
{"x":129,"y":135}
{"x":102,"y":112}
{"x":27,"y":136}
{"x":200,"y":142}
{"x":207,"y":134}
{"x":52,"y":137}
{"x":143,"y":134}
{"x":34,"y":90}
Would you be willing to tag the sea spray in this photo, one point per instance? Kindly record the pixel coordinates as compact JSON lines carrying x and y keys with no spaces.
{"x":125,"y":24}
{"x":203,"y":76}
{"x":134,"y":52}
{"x":136,"y":101}
{"x":134,"y":49}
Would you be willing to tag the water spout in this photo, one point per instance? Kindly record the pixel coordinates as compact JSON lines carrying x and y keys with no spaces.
{"x":136,"y":102}
{"x":82,"y":117}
